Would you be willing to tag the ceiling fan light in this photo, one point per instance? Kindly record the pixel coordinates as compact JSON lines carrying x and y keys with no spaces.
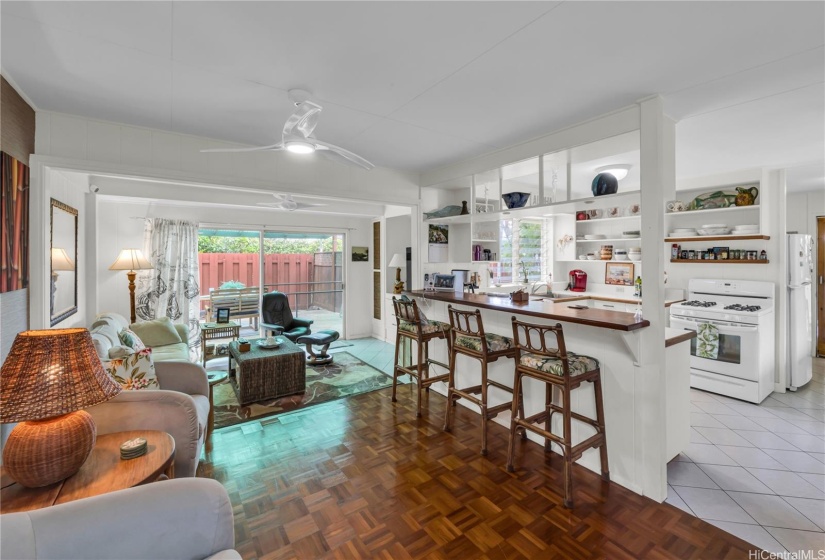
{"x":297,"y":147}
{"x":618,"y":170}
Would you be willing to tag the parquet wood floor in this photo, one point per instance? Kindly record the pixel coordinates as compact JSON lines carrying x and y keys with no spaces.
{"x":363,"y":478}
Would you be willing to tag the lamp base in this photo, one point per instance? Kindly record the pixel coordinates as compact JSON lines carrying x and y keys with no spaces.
{"x":42,"y":452}
{"x":399,"y":287}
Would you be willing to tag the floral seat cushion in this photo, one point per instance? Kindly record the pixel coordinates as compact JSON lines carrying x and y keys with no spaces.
{"x":578,"y":363}
{"x":495,"y":342}
{"x":426,"y":328}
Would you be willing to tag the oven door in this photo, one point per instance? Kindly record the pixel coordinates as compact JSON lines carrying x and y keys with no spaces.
{"x":738,"y":347}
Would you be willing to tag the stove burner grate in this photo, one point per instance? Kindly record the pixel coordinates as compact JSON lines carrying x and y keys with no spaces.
{"x":698,"y":303}
{"x":740,"y":307}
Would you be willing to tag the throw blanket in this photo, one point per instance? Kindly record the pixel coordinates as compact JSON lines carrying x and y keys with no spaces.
{"x":707,"y":345}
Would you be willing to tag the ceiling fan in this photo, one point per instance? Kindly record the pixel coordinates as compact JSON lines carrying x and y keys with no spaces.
{"x":285,"y":202}
{"x":297,"y":134}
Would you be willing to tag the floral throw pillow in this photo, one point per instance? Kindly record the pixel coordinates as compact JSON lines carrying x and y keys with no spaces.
{"x":130,"y":339}
{"x":135,"y":372}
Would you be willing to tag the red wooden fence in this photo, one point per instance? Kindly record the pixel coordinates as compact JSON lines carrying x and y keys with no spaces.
{"x":288,"y":273}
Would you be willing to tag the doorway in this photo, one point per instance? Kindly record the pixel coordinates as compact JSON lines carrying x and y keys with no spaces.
{"x":820,"y":286}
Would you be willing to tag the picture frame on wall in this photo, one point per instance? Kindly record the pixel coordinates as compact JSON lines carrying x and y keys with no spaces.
{"x":618,"y":273}
{"x":222,"y":314}
{"x":360,"y":254}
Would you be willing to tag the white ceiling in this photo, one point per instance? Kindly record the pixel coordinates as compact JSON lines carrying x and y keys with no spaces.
{"x":417,"y":85}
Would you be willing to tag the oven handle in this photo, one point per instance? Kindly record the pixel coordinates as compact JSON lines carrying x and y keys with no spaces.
{"x":728,"y":326}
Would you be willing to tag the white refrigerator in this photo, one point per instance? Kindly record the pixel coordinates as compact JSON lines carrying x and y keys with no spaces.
{"x":800,"y":314}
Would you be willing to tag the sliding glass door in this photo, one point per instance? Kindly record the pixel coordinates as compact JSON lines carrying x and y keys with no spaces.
{"x":308,"y":268}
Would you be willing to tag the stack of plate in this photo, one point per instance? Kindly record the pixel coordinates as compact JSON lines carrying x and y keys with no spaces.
{"x":631,"y":234}
{"x":594,"y":236}
{"x":747,"y":229}
{"x":683,"y":232}
{"x":133,"y":448}
{"x":714,"y":229}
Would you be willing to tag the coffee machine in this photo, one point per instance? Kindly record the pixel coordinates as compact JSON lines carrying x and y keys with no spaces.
{"x":578,"y":281}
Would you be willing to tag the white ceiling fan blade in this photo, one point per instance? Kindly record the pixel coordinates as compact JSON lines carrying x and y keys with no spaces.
{"x":354,"y":158}
{"x":273,"y":148}
{"x":303,"y":120}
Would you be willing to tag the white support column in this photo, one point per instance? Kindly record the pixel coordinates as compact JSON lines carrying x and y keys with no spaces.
{"x":658,"y":177}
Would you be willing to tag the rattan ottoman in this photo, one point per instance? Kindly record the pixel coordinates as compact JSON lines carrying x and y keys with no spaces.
{"x":268,"y":374}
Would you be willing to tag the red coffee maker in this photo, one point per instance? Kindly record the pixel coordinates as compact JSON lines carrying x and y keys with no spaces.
{"x":578,"y":281}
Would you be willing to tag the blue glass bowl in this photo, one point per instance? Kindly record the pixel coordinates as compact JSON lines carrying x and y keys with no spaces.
{"x":516,"y":199}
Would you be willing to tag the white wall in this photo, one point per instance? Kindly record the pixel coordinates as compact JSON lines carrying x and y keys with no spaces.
{"x":116,"y":229}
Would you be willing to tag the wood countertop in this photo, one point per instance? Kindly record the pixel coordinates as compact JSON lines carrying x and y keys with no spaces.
{"x":675,"y":336}
{"x":559,"y":311}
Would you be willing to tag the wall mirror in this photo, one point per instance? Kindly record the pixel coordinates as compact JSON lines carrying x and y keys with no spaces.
{"x":63,"y":261}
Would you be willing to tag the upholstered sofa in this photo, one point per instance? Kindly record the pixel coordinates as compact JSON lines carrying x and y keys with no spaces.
{"x":174,"y":519}
{"x":180,"y":407}
{"x":105,"y":331}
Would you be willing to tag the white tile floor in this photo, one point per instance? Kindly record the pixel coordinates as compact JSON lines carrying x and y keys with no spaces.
{"x":757,"y":472}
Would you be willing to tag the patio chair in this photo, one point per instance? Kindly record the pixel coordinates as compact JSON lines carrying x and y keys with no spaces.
{"x":276,"y":317}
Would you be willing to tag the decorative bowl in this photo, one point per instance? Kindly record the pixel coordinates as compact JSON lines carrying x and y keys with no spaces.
{"x":620,"y":257}
{"x":591,"y":257}
{"x":516,"y":199}
{"x":634,"y":256}
{"x":604,"y":183}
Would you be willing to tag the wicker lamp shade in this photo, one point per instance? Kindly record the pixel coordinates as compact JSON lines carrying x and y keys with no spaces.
{"x":47,"y":378}
{"x":52,"y":372}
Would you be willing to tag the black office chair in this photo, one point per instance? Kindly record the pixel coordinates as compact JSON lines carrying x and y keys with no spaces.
{"x":277,"y":319}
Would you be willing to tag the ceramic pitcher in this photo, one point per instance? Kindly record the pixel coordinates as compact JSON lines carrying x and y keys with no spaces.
{"x":745,"y":196}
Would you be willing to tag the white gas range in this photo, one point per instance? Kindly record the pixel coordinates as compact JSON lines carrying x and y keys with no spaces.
{"x":734,"y":352}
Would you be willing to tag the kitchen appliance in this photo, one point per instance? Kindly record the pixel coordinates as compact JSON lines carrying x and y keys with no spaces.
{"x":800,"y":315}
{"x":461,"y":277}
{"x":578,"y":280}
{"x":735,"y":319}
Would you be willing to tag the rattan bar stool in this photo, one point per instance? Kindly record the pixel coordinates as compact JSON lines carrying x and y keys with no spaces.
{"x":469,"y":339}
{"x":414,"y":326}
{"x":556,"y":367}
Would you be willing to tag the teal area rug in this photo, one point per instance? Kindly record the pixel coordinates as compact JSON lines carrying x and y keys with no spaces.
{"x":345,"y":377}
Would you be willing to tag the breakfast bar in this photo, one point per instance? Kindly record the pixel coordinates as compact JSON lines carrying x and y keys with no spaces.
{"x":612,"y":337}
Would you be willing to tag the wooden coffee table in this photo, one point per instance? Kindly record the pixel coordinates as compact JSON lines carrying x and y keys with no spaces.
{"x":104,"y":471}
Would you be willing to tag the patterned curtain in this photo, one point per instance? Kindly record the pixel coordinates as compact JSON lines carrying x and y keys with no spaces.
{"x":171,"y":288}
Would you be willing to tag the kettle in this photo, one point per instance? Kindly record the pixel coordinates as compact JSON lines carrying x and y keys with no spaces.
{"x":578,"y":281}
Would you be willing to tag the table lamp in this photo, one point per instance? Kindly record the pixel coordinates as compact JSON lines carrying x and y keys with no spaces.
{"x":131,"y":260}
{"x":60,"y":261}
{"x":398,"y":261}
{"x":47,"y":378}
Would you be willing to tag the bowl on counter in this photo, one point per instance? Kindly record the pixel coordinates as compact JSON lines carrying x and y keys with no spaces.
{"x":516,"y":199}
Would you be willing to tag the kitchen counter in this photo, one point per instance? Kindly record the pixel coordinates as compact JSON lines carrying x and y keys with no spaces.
{"x":564,"y":297}
{"x":614,"y":338}
{"x":556,"y":310}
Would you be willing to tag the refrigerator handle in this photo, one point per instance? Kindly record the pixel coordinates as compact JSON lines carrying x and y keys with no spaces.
{"x":820,"y":279}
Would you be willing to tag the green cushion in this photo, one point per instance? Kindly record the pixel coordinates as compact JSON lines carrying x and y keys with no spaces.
{"x":179,"y":351}
{"x":430,"y":327}
{"x":495,"y":342}
{"x":157,"y":332}
{"x":578,"y":364}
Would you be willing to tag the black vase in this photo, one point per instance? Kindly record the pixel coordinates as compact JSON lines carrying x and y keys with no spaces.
{"x":605,"y":183}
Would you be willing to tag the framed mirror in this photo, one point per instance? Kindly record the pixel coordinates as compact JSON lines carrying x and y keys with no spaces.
{"x":63,"y":261}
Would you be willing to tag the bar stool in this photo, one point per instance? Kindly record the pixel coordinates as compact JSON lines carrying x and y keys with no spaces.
{"x":414,"y":326}
{"x":469,"y":339}
{"x":556,"y":367}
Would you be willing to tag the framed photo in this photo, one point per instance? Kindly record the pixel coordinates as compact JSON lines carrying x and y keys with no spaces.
{"x":360,"y":254}
{"x":618,"y":273}
{"x":222,"y":314}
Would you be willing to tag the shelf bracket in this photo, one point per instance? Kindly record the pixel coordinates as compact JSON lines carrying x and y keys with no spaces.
{"x":632,"y":341}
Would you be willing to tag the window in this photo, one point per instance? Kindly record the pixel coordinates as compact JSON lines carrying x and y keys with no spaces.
{"x":528,"y":242}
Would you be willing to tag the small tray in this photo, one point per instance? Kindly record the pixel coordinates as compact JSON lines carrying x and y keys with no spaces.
{"x":262,"y":344}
